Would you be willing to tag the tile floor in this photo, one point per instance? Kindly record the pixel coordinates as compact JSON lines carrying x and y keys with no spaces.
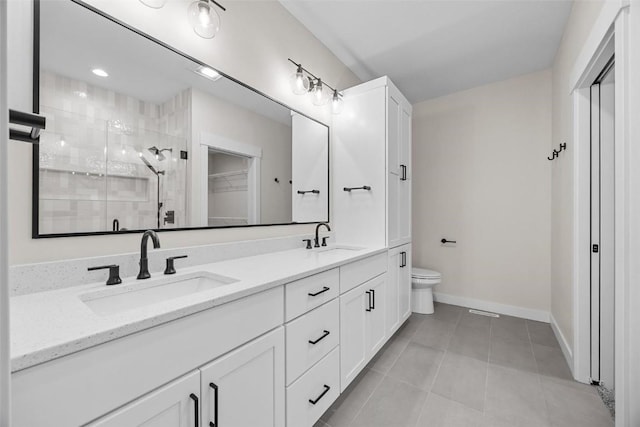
{"x":456,"y":369}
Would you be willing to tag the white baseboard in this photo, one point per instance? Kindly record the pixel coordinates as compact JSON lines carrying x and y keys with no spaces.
{"x":494,"y":307}
{"x":564,"y":345}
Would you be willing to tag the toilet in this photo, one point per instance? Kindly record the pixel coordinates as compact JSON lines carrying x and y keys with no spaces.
{"x":422,"y":283}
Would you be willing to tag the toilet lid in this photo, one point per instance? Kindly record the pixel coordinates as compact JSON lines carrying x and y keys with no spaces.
{"x":423,"y":273}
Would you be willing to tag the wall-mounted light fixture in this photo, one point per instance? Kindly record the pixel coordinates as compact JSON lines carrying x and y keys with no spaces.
{"x":303,"y":82}
{"x":204,"y":19}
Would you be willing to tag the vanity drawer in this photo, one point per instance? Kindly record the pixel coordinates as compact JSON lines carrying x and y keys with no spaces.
{"x":311,"y":292}
{"x":311,"y":337}
{"x":320,"y":385}
{"x":356,"y":273}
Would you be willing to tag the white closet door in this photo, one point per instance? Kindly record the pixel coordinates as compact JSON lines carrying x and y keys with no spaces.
{"x":602,"y":230}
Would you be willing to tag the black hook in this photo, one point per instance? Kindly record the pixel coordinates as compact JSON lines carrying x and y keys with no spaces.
{"x":277,"y":180}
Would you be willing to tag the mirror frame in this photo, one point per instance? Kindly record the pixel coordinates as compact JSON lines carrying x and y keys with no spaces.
{"x":35,"y":212}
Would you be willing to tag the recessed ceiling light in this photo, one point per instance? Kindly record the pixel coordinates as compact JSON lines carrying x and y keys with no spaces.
{"x":209,"y":73}
{"x":100,"y":72}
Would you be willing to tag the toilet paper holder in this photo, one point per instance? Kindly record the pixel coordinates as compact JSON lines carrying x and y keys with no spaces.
{"x":443,"y":241}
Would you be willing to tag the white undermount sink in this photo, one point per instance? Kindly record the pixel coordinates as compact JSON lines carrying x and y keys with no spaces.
{"x":120,"y":298}
{"x":338,"y":249}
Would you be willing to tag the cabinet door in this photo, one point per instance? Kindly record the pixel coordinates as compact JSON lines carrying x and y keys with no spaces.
{"x":246,"y":387}
{"x":353,"y":327}
{"x":393,"y":291}
{"x":404,"y":283}
{"x":394,"y":171}
{"x":359,"y":159}
{"x":174,"y":405}
{"x":404,"y":177}
{"x":376,"y":328}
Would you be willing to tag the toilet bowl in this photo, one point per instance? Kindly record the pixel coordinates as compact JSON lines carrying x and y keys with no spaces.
{"x":422,"y":283}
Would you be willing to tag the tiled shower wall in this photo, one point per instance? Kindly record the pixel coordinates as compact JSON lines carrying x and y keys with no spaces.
{"x":90,"y":167}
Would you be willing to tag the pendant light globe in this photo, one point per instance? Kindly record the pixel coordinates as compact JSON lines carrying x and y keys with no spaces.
{"x":204,"y":19}
{"x":319,"y":94}
{"x":299,"y":82}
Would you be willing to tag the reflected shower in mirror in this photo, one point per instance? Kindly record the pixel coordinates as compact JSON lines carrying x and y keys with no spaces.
{"x":140,"y":136}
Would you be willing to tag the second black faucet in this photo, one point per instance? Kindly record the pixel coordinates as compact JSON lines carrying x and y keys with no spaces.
{"x":144,"y":261}
{"x":317,"y":239}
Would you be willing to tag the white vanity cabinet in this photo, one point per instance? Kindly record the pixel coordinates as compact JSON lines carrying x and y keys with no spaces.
{"x":174,"y":405}
{"x":398,"y":287}
{"x":275,"y":358}
{"x":246,"y":387}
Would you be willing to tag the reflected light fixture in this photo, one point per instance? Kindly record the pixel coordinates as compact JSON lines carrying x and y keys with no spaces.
{"x":203,"y":18}
{"x":303,"y":82}
{"x":208,"y":72}
{"x":100,"y":72}
{"x":155,"y":4}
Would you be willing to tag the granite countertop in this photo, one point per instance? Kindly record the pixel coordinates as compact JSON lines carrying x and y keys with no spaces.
{"x":52,"y":324}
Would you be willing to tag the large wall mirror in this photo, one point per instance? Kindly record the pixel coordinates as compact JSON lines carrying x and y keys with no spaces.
{"x":140,"y":136}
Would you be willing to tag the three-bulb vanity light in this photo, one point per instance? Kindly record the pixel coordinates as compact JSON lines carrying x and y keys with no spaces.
{"x":304,"y":82}
{"x":202,"y":16}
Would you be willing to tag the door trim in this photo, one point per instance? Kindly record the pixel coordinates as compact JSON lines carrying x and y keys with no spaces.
{"x":614,"y":19}
{"x":219,"y":143}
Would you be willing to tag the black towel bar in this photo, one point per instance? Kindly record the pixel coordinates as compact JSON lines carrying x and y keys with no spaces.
{"x":364,"y":187}
{"x":37,"y":123}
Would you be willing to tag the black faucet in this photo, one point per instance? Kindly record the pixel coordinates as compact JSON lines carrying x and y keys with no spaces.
{"x":144,"y":261}
{"x":317,"y":240}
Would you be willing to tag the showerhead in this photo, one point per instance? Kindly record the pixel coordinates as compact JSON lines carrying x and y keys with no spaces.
{"x":150,"y":166}
{"x":158,"y":152}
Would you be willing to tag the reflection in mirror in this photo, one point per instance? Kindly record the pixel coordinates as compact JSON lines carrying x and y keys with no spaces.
{"x":139,"y":136}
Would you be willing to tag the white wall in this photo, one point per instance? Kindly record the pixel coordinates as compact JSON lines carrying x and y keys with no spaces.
{"x":253,"y":45}
{"x":581,"y":20}
{"x":481,"y":177}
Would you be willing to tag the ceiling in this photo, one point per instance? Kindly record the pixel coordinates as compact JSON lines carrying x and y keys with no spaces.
{"x":431,"y":48}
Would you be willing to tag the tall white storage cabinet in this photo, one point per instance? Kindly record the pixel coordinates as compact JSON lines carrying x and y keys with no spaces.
{"x":372,"y":146}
